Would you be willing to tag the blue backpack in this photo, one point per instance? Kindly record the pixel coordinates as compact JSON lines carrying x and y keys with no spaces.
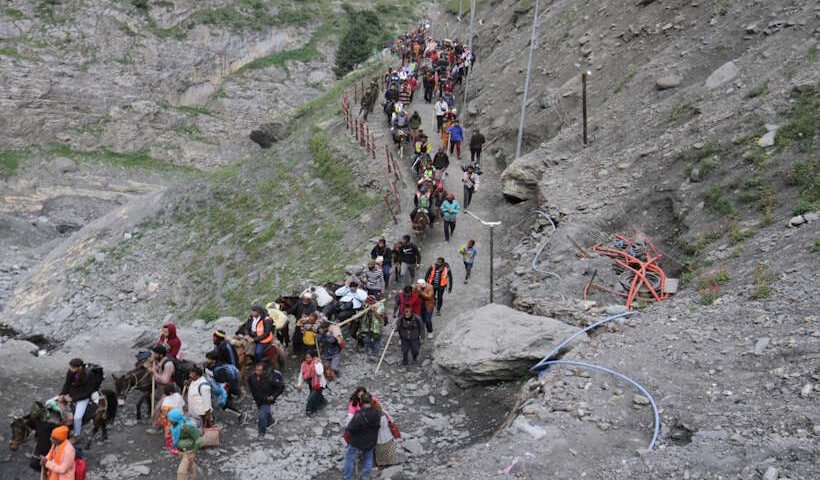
{"x":219,"y":397}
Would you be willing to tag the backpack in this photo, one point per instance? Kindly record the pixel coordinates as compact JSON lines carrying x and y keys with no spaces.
{"x":219,"y":396}
{"x":424,"y":202}
{"x":309,"y":338}
{"x":278,"y":383}
{"x":95,"y":371}
{"x":181,"y":371}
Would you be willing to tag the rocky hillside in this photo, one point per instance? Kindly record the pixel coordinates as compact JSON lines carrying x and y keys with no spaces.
{"x":183,"y":81}
{"x":703,"y":138}
{"x":131,"y":189}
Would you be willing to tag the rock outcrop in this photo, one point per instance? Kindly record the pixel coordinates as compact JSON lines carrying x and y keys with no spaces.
{"x":496,"y":343}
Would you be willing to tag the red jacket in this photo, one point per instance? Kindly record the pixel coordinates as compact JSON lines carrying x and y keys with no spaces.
{"x":401,"y":301}
{"x":173,"y":342}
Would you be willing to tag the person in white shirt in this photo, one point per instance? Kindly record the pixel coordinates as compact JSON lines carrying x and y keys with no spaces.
{"x":199,"y":397}
{"x":351,"y":299}
{"x":440,"y":109}
{"x":470,"y":181}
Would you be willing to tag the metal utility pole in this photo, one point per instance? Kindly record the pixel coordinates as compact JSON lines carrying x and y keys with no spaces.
{"x":492,"y":226}
{"x":470,"y":46}
{"x":527,"y":82}
{"x":460,"y":9}
{"x":584,"y":103}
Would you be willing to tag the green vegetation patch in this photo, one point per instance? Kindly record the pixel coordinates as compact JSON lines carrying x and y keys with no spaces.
{"x":709,"y":286}
{"x":363,"y":35}
{"x":336,"y":175}
{"x":9,"y":162}
{"x":718,"y":205}
{"x":127,"y":160}
{"x":806,"y":176}
{"x":801,"y":131}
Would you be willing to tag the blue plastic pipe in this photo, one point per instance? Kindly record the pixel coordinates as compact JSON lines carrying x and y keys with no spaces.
{"x":543,"y":367}
{"x":623,"y":377}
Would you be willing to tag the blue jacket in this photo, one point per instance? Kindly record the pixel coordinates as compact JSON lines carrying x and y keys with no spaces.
{"x":449,"y":210}
{"x":456,"y":133}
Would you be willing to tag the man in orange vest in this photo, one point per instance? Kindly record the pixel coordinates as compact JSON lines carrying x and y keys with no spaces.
{"x":259,"y":327}
{"x":441,"y":278}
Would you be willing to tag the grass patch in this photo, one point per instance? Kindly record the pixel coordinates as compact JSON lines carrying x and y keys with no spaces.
{"x":761,"y":196}
{"x":336,"y":175}
{"x":816,"y":247}
{"x":13,"y":13}
{"x":195,"y":110}
{"x":709,"y":287}
{"x":740,"y":235}
{"x":802,"y":128}
{"x":760,"y":90}
{"x":10,"y":162}
{"x":278,"y":59}
{"x":806,"y":176}
{"x":684,"y":111}
{"x":622,"y":83}
{"x":762,"y":280}
{"x":718,"y":205}
{"x":191,"y":131}
{"x":9,"y":52}
{"x":127,"y":160}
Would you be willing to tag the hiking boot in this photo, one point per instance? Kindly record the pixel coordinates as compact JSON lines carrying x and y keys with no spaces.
{"x":153,"y":431}
{"x":260,"y":436}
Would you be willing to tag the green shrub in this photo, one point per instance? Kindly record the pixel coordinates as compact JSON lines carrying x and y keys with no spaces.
{"x":717,"y":204}
{"x":363,"y":34}
{"x":802,"y":128}
{"x":9,"y":162}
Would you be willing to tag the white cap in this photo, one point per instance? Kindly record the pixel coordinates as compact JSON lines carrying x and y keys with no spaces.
{"x":420,"y":281}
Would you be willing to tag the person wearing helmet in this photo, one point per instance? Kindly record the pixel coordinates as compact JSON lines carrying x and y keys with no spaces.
{"x":450,"y":208}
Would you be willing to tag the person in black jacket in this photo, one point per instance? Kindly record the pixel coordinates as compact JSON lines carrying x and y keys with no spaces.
{"x":265,"y":387}
{"x":225,"y":352}
{"x":364,"y":431}
{"x":78,"y":387}
{"x":382,"y":250}
{"x":410,"y":259}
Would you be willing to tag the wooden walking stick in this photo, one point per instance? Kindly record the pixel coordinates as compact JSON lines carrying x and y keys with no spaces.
{"x":387,"y":344}
{"x":153,"y":394}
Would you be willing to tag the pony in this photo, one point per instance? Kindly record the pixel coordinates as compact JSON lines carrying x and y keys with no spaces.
{"x":22,"y":427}
{"x":138,"y":379}
{"x":420,"y":222}
{"x":274,"y":355}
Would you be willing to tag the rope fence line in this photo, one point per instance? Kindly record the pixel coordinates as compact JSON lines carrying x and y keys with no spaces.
{"x":361,"y":131}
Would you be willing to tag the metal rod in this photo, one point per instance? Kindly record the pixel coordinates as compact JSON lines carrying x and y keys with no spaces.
{"x":527,"y":82}
{"x":491,"y":264}
{"x":470,"y":46}
{"x":584,"y":104}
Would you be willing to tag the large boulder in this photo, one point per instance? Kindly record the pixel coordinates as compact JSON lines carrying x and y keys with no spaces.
{"x":496,"y":343}
{"x":520,"y":179}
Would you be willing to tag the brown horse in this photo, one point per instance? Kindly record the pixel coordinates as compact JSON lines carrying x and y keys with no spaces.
{"x":106,"y":412}
{"x":420,"y":222}
{"x":274,"y":355}
{"x":138,"y":379}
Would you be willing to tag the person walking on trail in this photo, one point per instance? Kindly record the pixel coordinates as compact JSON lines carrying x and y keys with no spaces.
{"x":224,"y":351}
{"x":468,"y":253}
{"x":230,"y":376}
{"x":428,"y":83}
{"x":363,"y":429}
{"x":58,"y":464}
{"x":410,"y":257}
{"x":199,"y":397}
{"x":409,"y":327}
{"x":374,"y":279}
{"x":331,"y":344}
{"x":476,"y":144}
{"x":441,"y":161}
{"x":427,"y":294}
{"x":415,"y":123}
{"x":407,"y":298}
{"x":186,"y":438}
{"x":381,"y":250}
{"x":456,"y":136}
{"x":312,"y":373}
{"x":440,"y":108}
{"x":168,"y":337}
{"x":265,"y":387}
{"x":470,"y":181}
{"x":450,"y":208}
{"x":369,"y":332}
{"x":441,"y":278}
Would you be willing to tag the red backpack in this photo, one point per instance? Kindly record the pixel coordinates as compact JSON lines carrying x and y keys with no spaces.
{"x":79,"y":469}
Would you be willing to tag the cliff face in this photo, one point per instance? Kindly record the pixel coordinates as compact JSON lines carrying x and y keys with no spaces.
{"x":183,"y":81}
{"x":703,"y":138}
